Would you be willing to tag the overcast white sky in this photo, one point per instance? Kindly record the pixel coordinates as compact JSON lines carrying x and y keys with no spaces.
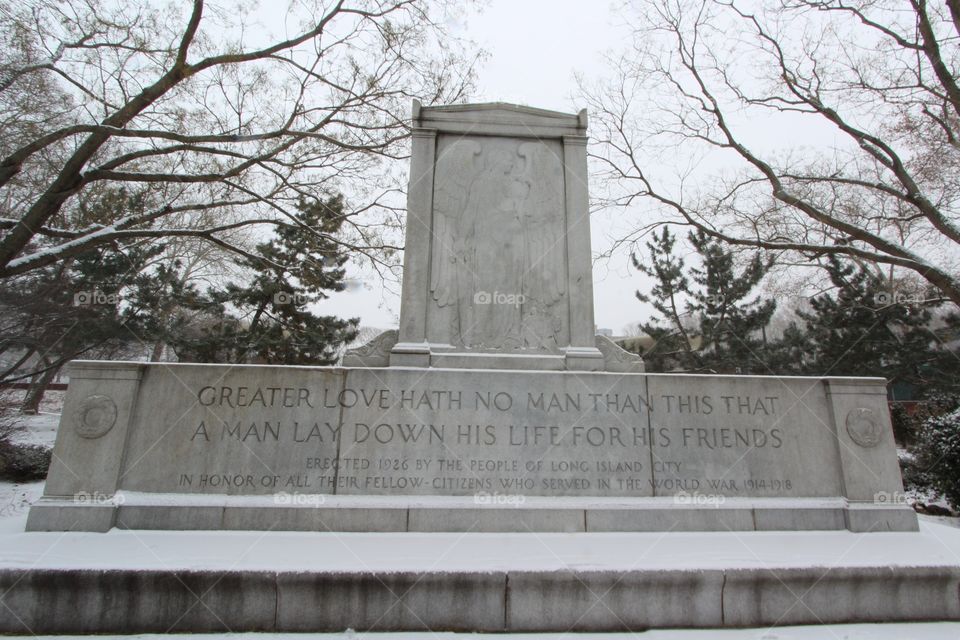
{"x":535,"y":47}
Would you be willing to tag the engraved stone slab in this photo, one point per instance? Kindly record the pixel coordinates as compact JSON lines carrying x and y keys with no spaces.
{"x":359,"y":448}
{"x":495,"y":432}
{"x":246,"y":431}
{"x":739,"y":436}
{"x":863,"y":428}
{"x":498,"y":276}
{"x":497,"y":270}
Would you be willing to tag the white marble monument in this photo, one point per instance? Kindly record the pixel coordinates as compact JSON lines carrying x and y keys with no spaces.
{"x":497,"y":270}
{"x":493,"y":407}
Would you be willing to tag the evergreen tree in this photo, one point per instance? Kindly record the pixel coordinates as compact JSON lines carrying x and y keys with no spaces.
{"x":709,"y":322}
{"x":672,"y":348}
{"x":732,"y":321}
{"x":76,"y":308}
{"x":267,"y":319}
{"x":789,"y":355}
{"x":101,"y":303}
{"x":865,"y":329}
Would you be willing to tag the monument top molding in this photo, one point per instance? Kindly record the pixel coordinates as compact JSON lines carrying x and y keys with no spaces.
{"x":497,"y":264}
{"x":499,"y":118}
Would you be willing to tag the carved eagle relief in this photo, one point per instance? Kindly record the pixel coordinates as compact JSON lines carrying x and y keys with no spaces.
{"x":499,"y":243}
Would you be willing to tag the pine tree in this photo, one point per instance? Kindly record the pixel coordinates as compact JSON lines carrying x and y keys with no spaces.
{"x":267,"y":319}
{"x":789,"y":355}
{"x":76,"y":308}
{"x":710,"y":321}
{"x":731,"y":320}
{"x":672,"y":348}
{"x":864,"y":329}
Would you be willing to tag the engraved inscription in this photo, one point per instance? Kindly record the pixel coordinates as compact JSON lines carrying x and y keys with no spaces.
{"x":382,"y":437}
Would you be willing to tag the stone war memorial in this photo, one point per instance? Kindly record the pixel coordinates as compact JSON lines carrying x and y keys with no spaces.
{"x":494,"y":390}
{"x":493,"y":409}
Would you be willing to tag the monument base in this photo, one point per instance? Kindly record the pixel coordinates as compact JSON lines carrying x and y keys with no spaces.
{"x":306,"y":512}
{"x":151,"y":581}
{"x":402,"y":449}
{"x":384,"y":350}
{"x":425,"y":355}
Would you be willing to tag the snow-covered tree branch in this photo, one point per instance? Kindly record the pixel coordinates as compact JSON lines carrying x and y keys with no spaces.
{"x":195,"y":108}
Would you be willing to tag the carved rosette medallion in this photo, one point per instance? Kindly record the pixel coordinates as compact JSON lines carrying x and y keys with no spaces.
{"x":95,"y":418}
{"x":863,"y":428}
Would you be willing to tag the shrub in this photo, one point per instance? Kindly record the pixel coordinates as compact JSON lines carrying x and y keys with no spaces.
{"x":23,"y":462}
{"x":904,"y":425}
{"x":935,"y":463}
{"x":18,"y":462}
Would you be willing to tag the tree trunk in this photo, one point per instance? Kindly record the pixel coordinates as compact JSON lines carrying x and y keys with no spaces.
{"x":157,"y":351}
{"x":38,"y":386}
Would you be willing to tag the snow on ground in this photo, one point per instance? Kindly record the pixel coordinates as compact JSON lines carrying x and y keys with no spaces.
{"x":38,"y":429}
{"x":913,"y":631}
{"x":949,"y":521}
{"x":42,"y":427}
{"x":934,"y":546}
{"x":15,"y":500}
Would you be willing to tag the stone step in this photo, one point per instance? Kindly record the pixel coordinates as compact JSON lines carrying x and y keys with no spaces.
{"x":136,"y":601}
{"x":153,"y":581}
{"x":870,"y":631}
{"x":492,"y":512}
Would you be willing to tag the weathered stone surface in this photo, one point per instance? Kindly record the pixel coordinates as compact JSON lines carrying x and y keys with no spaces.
{"x":137,"y":601}
{"x":391,"y":601}
{"x":731,"y":435}
{"x":466,"y":433}
{"x":840,"y":594}
{"x":497,"y":269}
{"x":618,"y":359}
{"x":275,"y":443}
{"x":622,"y":601}
{"x":89,"y":601}
{"x":375,"y":353}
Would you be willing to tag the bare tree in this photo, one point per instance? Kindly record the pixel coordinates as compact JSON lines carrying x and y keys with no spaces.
{"x":812,"y":127}
{"x":215,"y":125}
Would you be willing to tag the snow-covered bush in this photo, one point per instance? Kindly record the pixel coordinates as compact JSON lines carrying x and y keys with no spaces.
{"x":23,"y":462}
{"x":18,"y":462}
{"x":935,"y":463}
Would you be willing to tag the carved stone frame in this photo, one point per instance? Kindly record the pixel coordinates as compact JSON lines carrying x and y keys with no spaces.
{"x":413,"y":347}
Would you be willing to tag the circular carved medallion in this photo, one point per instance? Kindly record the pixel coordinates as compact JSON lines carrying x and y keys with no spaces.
{"x":95,"y":417}
{"x":863,"y":427}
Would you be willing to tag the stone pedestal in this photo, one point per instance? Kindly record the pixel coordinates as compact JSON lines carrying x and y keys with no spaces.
{"x":160,"y":446}
{"x":497,"y":271}
{"x":313,"y":582}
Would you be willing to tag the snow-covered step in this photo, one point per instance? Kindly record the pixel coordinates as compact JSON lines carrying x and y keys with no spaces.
{"x":205,"y":581}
